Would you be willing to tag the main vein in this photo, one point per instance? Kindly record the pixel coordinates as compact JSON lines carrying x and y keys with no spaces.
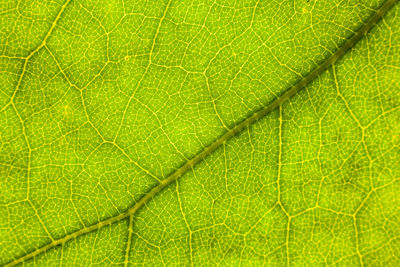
{"x":225,"y":137}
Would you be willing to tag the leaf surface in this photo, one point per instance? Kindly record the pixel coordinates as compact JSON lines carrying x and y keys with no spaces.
{"x":200,"y":132}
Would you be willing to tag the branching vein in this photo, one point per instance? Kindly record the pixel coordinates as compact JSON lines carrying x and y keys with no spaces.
{"x":222,"y":139}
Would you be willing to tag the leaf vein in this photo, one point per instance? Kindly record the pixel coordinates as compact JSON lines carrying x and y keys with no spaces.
{"x":222,"y":139}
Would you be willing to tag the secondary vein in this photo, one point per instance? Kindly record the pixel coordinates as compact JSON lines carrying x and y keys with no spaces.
{"x":222,"y":139}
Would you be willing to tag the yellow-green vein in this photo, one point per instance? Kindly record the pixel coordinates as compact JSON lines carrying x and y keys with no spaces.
{"x":222,"y":139}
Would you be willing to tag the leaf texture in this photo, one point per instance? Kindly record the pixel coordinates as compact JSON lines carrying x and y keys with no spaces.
{"x":199,"y":133}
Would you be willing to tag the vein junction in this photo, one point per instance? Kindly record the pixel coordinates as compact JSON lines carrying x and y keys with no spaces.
{"x":222,"y":139}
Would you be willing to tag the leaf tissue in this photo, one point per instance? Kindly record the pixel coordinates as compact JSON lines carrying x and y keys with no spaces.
{"x":190,"y":133}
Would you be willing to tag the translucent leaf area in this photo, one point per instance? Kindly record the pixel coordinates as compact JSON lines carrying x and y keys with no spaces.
{"x":197,"y":132}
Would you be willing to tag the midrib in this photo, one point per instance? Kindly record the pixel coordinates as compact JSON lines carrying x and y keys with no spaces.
{"x":225,"y":137}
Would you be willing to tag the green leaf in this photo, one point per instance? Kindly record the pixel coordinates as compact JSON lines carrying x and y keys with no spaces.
{"x":200,"y":132}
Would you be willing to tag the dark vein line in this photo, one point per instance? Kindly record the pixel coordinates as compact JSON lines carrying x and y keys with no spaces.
{"x":128,"y":243}
{"x":221,"y":140}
